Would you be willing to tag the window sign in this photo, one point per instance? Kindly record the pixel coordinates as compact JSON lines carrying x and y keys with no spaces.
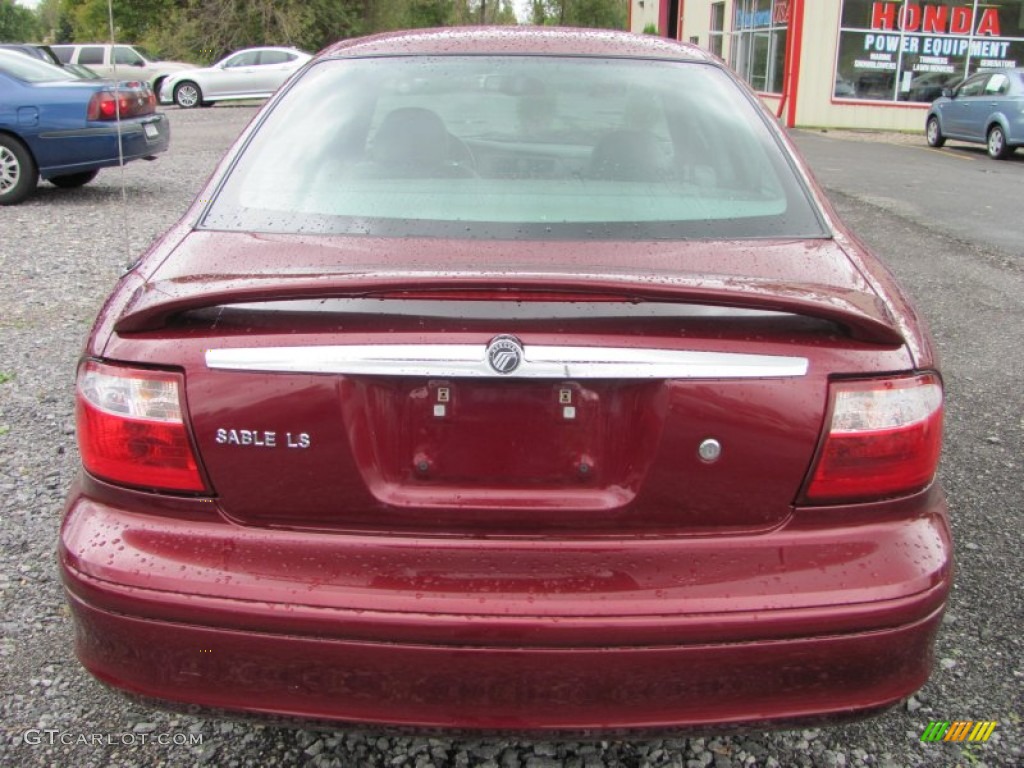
{"x":910,"y":51}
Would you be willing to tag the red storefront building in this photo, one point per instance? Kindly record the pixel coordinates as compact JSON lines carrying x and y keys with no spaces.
{"x":847,"y":63}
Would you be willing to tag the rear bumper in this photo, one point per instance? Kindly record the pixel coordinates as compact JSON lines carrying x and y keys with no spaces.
{"x":249,"y":624}
{"x":96,"y":145}
{"x":518,"y":689}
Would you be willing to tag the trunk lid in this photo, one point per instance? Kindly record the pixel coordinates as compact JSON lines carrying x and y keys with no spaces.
{"x":651,"y":393}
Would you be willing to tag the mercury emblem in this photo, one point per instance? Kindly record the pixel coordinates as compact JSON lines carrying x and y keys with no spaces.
{"x":504,"y":354}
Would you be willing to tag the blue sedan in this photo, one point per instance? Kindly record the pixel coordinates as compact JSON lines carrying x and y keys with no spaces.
{"x":60,"y":128}
{"x":986,"y":108}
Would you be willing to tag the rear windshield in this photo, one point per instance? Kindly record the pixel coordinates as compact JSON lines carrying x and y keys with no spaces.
{"x":515,"y":148}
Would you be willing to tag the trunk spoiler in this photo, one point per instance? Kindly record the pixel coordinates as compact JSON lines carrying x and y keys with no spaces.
{"x":860,"y":312}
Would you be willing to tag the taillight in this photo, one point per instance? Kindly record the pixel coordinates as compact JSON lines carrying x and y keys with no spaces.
{"x":110,"y":105}
{"x":131,"y":428}
{"x":884,"y":440}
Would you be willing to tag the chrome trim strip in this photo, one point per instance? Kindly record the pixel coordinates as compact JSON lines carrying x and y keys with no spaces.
{"x":540,"y":362}
{"x":506,"y":310}
{"x":84,"y":133}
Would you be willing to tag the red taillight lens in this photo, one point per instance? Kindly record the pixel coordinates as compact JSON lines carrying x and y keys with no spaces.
{"x":132,"y":102}
{"x":109,"y":108}
{"x":884,"y":440}
{"x":102,"y":106}
{"x":131,"y":428}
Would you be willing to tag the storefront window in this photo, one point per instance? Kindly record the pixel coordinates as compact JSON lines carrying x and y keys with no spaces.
{"x":758,"y":51}
{"x":715,"y":36}
{"x":910,"y":51}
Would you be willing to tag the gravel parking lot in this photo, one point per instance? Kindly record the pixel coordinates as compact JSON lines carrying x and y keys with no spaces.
{"x":59,"y":256}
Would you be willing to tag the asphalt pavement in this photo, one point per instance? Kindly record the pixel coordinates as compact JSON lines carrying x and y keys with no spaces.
{"x":957,"y":190}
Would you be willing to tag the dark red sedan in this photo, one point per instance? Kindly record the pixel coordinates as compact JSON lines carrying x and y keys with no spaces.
{"x":516,"y":380}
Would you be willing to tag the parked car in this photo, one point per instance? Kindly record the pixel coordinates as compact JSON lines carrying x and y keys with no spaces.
{"x":121,"y":62}
{"x":875,"y":84}
{"x":844,"y":89}
{"x":253,"y":73}
{"x":564,"y":404}
{"x":929,"y":86}
{"x":987,"y":108}
{"x":46,"y":53}
{"x":64,"y":129}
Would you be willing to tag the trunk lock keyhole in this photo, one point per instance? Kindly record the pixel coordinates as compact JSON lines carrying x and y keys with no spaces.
{"x":710,"y":450}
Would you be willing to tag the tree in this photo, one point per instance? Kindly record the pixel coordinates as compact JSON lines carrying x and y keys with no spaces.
{"x":416,"y":14}
{"x":55,"y":21}
{"x":133,"y":21}
{"x":604,"y":14}
{"x":206,"y":30}
{"x":429,"y":13}
{"x":487,"y":12}
{"x":17,"y":24}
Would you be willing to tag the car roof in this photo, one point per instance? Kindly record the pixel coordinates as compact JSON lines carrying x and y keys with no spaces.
{"x":1000,"y":71}
{"x":283,"y":48}
{"x":96,"y":45}
{"x":517,"y":40}
{"x":40,"y":51}
{"x":29,"y":48}
{"x":265,"y":48}
{"x":15,"y":55}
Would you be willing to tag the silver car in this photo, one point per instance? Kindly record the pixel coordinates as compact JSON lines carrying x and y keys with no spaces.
{"x":252,"y":73}
{"x":986,"y":108}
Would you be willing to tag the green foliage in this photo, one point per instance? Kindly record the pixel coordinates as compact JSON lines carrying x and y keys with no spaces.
{"x":416,"y":14}
{"x":604,"y":14}
{"x":650,"y":29}
{"x":55,"y":21}
{"x":429,"y":13}
{"x":206,"y":30}
{"x":203,"y":31}
{"x":17,"y":24}
{"x":90,"y":19}
{"x":488,"y":12}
